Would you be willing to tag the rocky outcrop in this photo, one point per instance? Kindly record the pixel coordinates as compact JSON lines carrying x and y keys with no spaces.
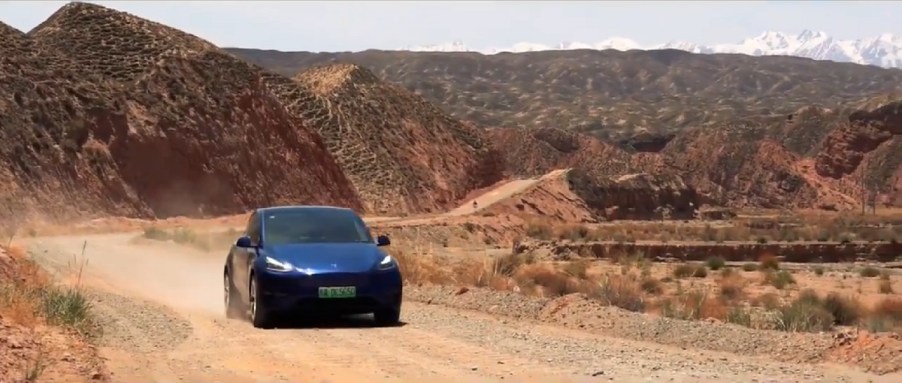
{"x":551,"y":200}
{"x":737,"y":165}
{"x":635,"y":196}
{"x":846,"y":147}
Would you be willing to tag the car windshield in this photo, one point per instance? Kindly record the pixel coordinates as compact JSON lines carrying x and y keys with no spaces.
{"x":314,"y":226}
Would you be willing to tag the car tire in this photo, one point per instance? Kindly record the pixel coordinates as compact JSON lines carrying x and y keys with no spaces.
{"x":260,"y":317}
{"x":387,"y":316}
{"x":232,"y":300}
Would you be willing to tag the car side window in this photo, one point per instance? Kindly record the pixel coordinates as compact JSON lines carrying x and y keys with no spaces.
{"x":253,"y":228}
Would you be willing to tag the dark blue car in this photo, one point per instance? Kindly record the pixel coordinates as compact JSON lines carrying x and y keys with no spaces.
{"x":303,"y":259}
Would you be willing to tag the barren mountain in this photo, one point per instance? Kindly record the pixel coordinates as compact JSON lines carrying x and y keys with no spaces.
{"x":197,"y":131}
{"x":402,"y":153}
{"x":884,"y":50}
{"x":46,"y":115}
{"x":608,"y":93}
{"x":202,"y":132}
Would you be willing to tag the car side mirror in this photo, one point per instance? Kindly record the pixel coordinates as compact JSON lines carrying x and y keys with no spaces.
{"x":243,"y":241}
{"x":383,"y":240}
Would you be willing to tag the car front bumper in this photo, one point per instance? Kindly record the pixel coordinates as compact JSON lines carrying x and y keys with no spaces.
{"x":298,"y":292}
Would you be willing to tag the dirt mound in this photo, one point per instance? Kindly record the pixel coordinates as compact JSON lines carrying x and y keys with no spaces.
{"x":402,"y":154}
{"x":189,"y":130}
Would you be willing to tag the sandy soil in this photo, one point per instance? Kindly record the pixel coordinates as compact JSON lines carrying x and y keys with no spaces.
{"x":163,"y":315}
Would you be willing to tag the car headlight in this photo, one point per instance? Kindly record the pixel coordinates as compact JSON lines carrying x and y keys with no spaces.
{"x":387,"y":263}
{"x":273,"y":264}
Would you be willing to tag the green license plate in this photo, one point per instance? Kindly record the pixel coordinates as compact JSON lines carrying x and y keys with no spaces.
{"x":338,"y":292}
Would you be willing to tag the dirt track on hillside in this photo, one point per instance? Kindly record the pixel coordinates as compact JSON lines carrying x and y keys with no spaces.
{"x":161,"y":306}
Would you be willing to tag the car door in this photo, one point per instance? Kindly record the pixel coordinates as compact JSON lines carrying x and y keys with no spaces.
{"x":250,"y":253}
{"x":243,"y":257}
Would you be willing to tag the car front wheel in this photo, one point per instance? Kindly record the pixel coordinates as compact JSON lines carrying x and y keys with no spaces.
{"x":389,"y":316}
{"x":259,"y":316}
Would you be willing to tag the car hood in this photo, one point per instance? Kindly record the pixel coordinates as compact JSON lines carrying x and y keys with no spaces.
{"x":348,"y":257}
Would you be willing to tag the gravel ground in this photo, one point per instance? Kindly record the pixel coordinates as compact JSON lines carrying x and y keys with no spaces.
{"x":578,"y":312}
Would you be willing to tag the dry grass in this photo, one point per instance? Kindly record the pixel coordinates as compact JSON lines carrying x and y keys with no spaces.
{"x":732,"y":287}
{"x":778,"y":279}
{"x":694,"y":305}
{"x":620,"y":291}
{"x":687,"y":270}
{"x":33,"y":299}
{"x":869,"y":272}
{"x":768,"y":261}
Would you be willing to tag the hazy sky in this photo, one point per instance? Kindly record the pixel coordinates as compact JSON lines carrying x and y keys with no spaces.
{"x":347,"y":25}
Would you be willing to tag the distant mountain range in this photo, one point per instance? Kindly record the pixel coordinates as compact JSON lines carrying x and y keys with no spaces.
{"x":884,"y":50}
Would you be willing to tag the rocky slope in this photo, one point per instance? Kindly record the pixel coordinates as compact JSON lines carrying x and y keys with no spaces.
{"x":47,"y":114}
{"x":608,"y":93}
{"x":402,"y":154}
{"x":201,"y":133}
{"x":184,"y":128}
{"x":866,"y":146}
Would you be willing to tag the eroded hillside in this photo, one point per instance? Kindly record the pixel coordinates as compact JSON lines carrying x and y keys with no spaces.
{"x":47,"y":114}
{"x":402,"y":153}
{"x":193,"y":130}
{"x":197,"y":131}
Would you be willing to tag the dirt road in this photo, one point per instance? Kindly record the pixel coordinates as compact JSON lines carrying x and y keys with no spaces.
{"x":161,"y":305}
{"x":502,"y":192}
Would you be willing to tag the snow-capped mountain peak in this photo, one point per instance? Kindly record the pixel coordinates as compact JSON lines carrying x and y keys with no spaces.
{"x":884,"y":50}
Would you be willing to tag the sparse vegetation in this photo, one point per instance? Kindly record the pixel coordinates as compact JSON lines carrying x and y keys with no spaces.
{"x":779,"y":279}
{"x":818,"y":270}
{"x":620,"y":291}
{"x":769,"y":262}
{"x":803,"y":315}
{"x":539,"y":230}
{"x":34,"y":298}
{"x":652,"y":286}
{"x":716,"y":263}
{"x":869,"y":272}
{"x":731,"y":287}
{"x":694,"y":305}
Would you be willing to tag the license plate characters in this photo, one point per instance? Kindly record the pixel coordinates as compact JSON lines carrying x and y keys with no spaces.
{"x":338,"y":292}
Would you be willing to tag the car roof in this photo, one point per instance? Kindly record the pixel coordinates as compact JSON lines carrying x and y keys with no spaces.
{"x":291,"y":208}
